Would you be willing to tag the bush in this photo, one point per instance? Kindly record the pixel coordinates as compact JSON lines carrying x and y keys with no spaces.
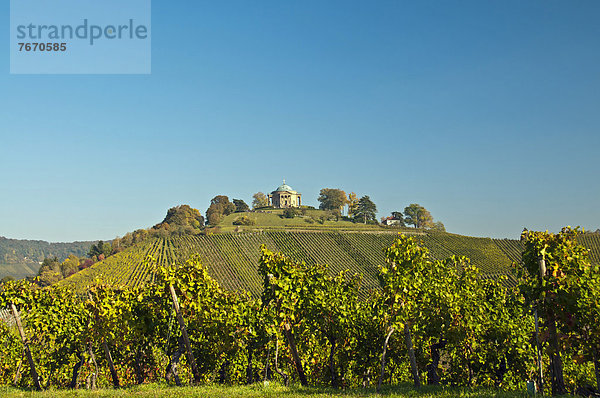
{"x":244,"y":220}
{"x":289,"y":212}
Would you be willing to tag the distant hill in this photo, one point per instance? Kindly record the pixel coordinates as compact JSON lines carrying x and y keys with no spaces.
{"x":232,"y":258}
{"x":22,"y":258}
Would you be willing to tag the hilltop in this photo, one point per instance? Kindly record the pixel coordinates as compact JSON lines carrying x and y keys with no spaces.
{"x":279,"y":219}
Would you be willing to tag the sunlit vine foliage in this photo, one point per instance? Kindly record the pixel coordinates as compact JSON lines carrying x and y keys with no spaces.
{"x":310,"y":323}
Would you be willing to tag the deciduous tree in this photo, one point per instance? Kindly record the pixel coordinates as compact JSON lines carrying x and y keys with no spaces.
{"x":182,"y":217}
{"x":69,"y":266}
{"x":352,"y":203}
{"x":240,"y":206}
{"x":332,"y":199}
{"x":219,"y":206}
{"x":439,"y":226}
{"x":104,"y":248}
{"x":417,"y":215}
{"x":49,"y":272}
{"x":259,"y":199}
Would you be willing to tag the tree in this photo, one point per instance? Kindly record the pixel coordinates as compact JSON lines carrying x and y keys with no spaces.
{"x":397,"y":215}
{"x":100,"y":248}
{"x":365,"y":211}
{"x":180,"y":219}
{"x":399,"y":218}
{"x":49,"y":271}
{"x":223,"y":200}
{"x":439,"y":226}
{"x":259,"y":200}
{"x":417,"y":215}
{"x":219,"y":206}
{"x":69,"y":266}
{"x":352,"y":203}
{"x":117,"y":245}
{"x":240,"y":206}
{"x":332,"y":199}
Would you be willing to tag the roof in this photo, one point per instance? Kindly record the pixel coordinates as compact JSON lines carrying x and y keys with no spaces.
{"x":284,"y":188}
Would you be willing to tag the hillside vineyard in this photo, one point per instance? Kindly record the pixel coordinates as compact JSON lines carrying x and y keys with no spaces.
{"x":232,"y":258}
{"x":453,"y":321}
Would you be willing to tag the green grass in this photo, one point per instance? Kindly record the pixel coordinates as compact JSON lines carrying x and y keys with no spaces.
{"x":272,"y":390}
{"x":271,"y":219}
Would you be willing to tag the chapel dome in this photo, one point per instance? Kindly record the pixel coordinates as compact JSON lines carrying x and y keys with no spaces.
{"x":284,"y":188}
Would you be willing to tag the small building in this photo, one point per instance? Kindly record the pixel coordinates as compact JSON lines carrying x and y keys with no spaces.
{"x":392,"y":221}
{"x":284,"y":196}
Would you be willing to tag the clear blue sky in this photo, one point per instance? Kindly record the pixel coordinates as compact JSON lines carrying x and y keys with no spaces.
{"x":485,"y":112}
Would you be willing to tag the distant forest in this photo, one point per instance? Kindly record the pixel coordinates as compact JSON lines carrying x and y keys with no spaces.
{"x":22,"y":258}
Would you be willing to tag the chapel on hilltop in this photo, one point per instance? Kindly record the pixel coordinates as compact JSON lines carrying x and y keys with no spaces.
{"x":284,"y":196}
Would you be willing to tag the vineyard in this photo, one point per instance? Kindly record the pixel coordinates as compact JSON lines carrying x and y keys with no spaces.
{"x":359,"y":309}
{"x":514,"y":248}
{"x":385,"y":309}
{"x":231,"y":258}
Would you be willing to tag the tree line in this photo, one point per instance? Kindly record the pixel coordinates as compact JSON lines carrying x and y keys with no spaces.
{"x":364,"y":210}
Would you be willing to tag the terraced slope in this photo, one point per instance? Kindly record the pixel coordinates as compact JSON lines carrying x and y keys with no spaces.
{"x":232,"y":258}
{"x":513,"y":248}
{"x":130,"y":267}
{"x":592,"y":242}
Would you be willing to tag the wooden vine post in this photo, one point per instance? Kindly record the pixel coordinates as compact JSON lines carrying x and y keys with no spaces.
{"x":186,"y":339}
{"x":34,"y":374}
